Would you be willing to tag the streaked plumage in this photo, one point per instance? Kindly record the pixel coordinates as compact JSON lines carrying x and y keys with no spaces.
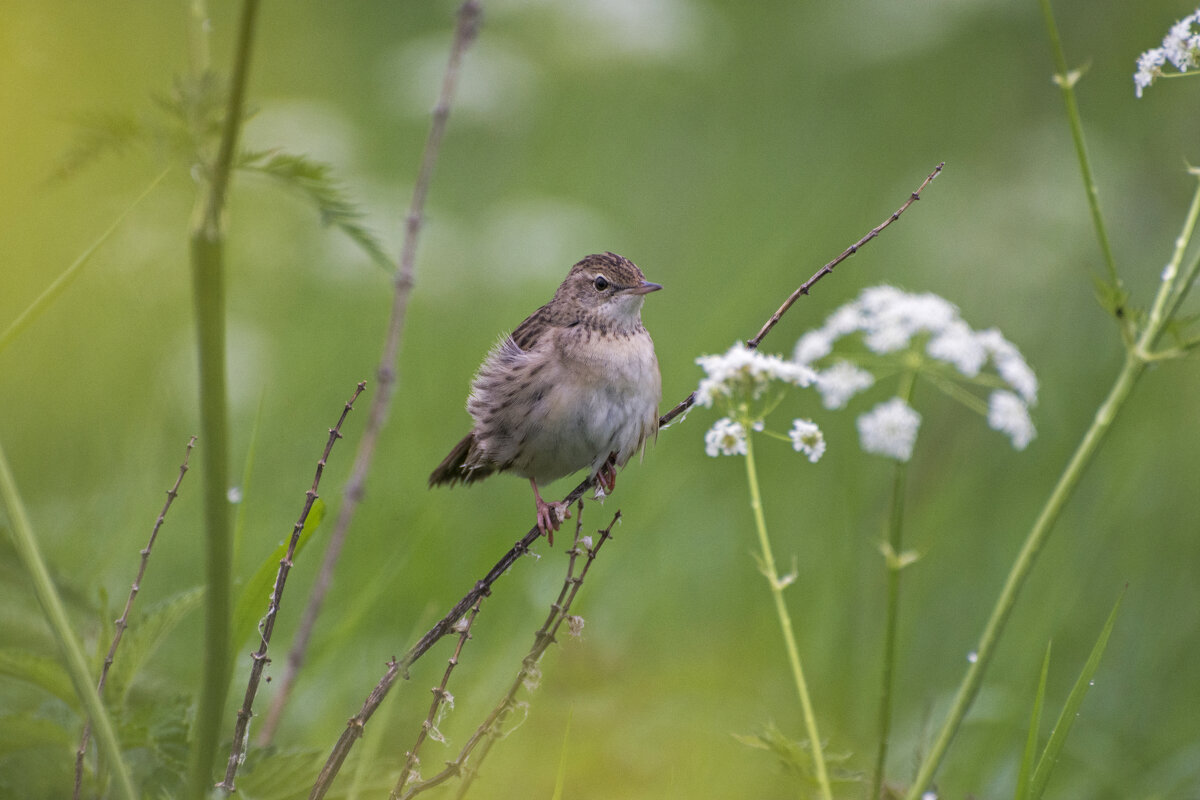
{"x":575,"y":384}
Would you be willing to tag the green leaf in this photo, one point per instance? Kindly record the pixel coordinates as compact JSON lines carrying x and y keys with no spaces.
{"x":97,"y":134}
{"x":315,"y":181}
{"x":1066,"y":719}
{"x":144,"y":636}
{"x":1028,"y":759}
{"x":255,"y":598}
{"x":42,"y":671}
{"x":25,"y":731}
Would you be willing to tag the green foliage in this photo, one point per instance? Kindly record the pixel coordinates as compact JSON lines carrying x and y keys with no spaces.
{"x":45,"y":672}
{"x":255,"y":596}
{"x":795,"y":757}
{"x":315,"y":182}
{"x":27,"y":731}
{"x":1029,"y":756}
{"x":1070,"y":712}
{"x":144,"y":636}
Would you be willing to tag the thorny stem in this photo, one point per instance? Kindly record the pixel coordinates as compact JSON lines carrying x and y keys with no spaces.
{"x":123,"y":622}
{"x":465,"y":32}
{"x":777,"y":585}
{"x":487,"y":733}
{"x":259,"y":657}
{"x":440,"y":697}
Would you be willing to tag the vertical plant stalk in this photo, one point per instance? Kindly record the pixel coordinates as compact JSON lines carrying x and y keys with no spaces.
{"x":123,"y":622}
{"x":893,"y":550}
{"x":25,"y":543}
{"x":1137,"y":356}
{"x":1066,"y":80}
{"x":259,"y":658}
{"x":895,"y":563}
{"x":208,"y":295}
{"x":465,"y":32}
{"x":777,"y":585}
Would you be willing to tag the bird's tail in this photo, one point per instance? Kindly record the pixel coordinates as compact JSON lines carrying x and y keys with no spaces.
{"x":454,"y":469}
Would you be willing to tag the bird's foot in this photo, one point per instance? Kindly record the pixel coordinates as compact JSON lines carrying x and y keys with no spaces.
{"x":607,"y":476}
{"x":549,"y":515}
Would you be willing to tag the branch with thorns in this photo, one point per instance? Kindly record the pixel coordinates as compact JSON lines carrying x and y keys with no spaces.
{"x":399,"y":668}
{"x":465,"y":32}
{"x":122,"y":623}
{"x":259,"y":657}
{"x":560,"y":612}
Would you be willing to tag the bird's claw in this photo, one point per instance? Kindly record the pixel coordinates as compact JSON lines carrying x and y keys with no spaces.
{"x":550,"y":516}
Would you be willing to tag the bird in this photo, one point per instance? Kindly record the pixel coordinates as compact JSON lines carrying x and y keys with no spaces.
{"x":575,"y":385}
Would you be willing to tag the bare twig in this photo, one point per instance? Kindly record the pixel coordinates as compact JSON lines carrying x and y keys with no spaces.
{"x":259,"y":657}
{"x":849,"y":251}
{"x":804,"y":288}
{"x":123,"y":622}
{"x":468,"y":24}
{"x":440,"y":698}
{"x":488,"y":732}
{"x":399,"y":668}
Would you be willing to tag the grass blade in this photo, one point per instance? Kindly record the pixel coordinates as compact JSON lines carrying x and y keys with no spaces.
{"x":1028,"y":759}
{"x":1066,"y":719}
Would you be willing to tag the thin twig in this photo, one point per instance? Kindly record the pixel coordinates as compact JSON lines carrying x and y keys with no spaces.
{"x":488,"y":732}
{"x":804,"y":288}
{"x":259,"y":657}
{"x":468,"y":24}
{"x":399,"y":668}
{"x":440,"y":698}
{"x":123,"y":622}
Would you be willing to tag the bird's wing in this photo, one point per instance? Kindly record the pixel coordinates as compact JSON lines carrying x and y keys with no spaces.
{"x":532,"y":330}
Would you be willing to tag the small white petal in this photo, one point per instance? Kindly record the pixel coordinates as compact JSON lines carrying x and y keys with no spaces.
{"x":807,"y":438}
{"x":890,"y":429}
{"x":1008,"y":414}
{"x":841,"y":382}
{"x":725,"y":438}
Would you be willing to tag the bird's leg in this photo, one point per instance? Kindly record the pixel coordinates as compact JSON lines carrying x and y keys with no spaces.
{"x":607,"y":476}
{"x":549,"y":515}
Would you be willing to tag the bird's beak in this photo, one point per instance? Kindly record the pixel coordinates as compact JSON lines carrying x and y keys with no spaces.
{"x":646,"y":287}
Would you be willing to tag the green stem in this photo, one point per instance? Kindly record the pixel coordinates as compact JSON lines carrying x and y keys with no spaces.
{"x":208,"y":290}
{"x":25,"y":543}
{"x":1131,"y":370}
{"x":785,"y":621}
{"x":1066,"y":82}
{"x":895,"y":564}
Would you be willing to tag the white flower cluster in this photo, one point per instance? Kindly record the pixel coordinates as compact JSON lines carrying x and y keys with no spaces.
{"x":890,"y":429}
{"x":1180,"y":47}
{"x":889,"y":320}
{"x":745,"y":373}
{"x":735,"y":380}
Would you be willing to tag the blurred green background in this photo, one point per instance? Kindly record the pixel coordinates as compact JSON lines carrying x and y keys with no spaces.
{"x":729,"y":149}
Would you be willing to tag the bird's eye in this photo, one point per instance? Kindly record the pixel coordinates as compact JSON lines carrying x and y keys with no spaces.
{"x":601,"y":283}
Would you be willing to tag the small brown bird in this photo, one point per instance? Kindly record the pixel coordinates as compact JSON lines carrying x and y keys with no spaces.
{"x":576,"y":385}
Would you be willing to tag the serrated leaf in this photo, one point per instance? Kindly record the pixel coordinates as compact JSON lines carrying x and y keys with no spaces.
{"x":144,"y":635}
{"x":97,"y":134}
{"x":41,"y":671}
{"x":25,"y":731}
{"x":1029,"y":757}
{"x":1062,"y":728}
{"x":314,"y":180}
{"x":255,"y":598}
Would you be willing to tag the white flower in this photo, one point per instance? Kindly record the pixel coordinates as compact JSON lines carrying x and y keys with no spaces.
{"x":890,"y":429}
{"x":841,"y":382}
{"x":957,"y":344}
{"x":725,"y":438}
{"x":1010,"y":364}
{"x":1180,"y":47}
{"x":1008,"y":414}
{"x":815,"y":344}
{"x":1149,"y":67}
{"x":807,"y":438}
{"x":741,"y":370}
